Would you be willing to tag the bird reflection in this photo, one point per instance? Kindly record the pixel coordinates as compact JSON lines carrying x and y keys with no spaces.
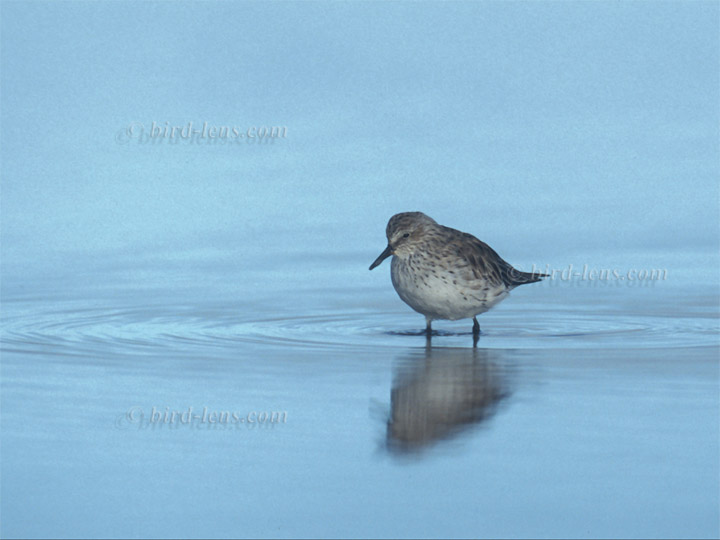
{"x":442,"y":393}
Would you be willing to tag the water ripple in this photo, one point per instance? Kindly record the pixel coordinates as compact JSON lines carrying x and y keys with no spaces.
{"x":157,"y":329}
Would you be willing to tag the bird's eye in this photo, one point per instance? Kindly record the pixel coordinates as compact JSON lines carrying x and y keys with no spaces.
{"x":406,"y":235}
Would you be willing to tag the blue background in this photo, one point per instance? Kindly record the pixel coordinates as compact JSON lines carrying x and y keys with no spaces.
{"x":545,"y":124}
{"x":235,"y":276}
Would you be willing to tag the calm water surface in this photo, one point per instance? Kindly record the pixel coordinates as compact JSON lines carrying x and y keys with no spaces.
{"x":585,"y":411}
{"x":191,"y":342}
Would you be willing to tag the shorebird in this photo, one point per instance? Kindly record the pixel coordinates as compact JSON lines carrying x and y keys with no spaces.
{"x":444,"y":273}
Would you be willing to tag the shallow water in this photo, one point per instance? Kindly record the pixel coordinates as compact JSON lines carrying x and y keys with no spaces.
{"x":193,"y":346}
{"x":584,"y":411}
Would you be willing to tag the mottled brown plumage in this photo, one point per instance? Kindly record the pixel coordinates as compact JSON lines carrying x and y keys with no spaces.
{"x":444,"y":273}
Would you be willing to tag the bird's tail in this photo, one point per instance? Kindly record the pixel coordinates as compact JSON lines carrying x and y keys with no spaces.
{"x":516,"y":277}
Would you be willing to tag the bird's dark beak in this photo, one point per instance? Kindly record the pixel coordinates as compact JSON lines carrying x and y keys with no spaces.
{"x":384,"y":255}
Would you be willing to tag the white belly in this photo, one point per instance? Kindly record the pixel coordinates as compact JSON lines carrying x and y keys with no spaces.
{"x":442,"y":295}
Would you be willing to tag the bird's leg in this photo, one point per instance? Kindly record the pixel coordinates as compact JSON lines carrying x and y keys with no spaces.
{"x":428,"y":328}
{"x":476,"y":332}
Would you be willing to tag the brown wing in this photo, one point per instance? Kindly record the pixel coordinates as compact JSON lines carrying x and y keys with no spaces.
{"x":486,"y":265}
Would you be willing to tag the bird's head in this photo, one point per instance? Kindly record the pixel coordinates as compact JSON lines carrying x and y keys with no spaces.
{"x":403,"y":232}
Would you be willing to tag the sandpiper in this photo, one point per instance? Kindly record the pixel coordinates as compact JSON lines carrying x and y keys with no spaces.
{"x":444,"y":273}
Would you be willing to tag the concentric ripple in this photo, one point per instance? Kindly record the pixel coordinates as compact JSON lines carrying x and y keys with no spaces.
{"x":190,"y":328}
